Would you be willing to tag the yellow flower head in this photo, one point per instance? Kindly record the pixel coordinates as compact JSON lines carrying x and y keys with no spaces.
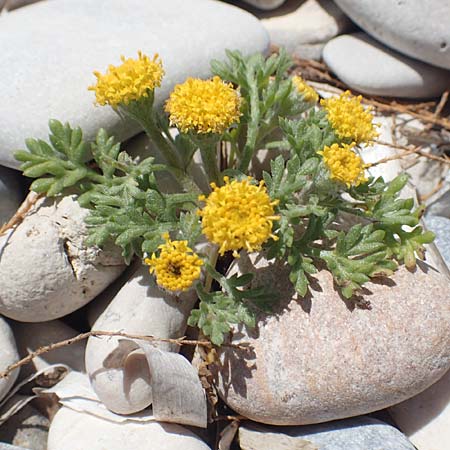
{"x":177,"y":266}
{"x":349,"y":119}
{"x":203,"y":106}
{"x":238,"y":215}
{"x":308,"y":92}
{"x":345,"y":165}
{"x":129,"y":82}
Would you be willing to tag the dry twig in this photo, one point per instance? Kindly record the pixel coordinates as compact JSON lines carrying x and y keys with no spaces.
{"x":96,"y":333}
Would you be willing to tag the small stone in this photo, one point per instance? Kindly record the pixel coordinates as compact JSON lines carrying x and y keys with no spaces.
{"x":8,"y":355}
{"x":265,"y":4}
{"x":11,"y":193}
{"x":71,"y":430}
{"x":31,"y":336}
{"x":416,"y":28}
{"x":46,"y":271}
{"x":356,"y":59}
{"x":425,"y":418}
{"x":117,"y":367}
{"x":318,"y":358}
{"x":440,"y":226}
{"x":48,"y":77}
{"x":27,"y":429}
{"x":358,"y":433}
{"x":303,"y":28}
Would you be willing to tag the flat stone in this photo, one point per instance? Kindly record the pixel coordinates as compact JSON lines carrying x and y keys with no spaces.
{"x":44,"y":76}
{"x":356,"y":60}
{"x":319,"y":359}
{"x":300,"y":26}
{"x":416,"y":28}
{"x":46,"y":271}
{"x":358,"y":433}
{"x":71,"y":430}
{"x":26,"y":429}
{"x":8,"y":355}
{"x":441,"y":228}
{"x":425,"y":418}
{"x":11,"y":193}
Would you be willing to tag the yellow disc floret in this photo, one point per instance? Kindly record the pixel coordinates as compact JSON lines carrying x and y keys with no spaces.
{"x":203,"y":106}
{"x":176,"y":267}
{"x":238,"y":215}
{"x":129,"y":82}
{"x":349,"y":119}
{"x":344,"y":164}
{"x":308,"y":92}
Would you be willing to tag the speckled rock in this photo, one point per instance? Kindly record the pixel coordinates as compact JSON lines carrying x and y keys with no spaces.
{"x":35,"y":71}
{"x":356,"y":59}
{"x":8,"y":355}
{"x":416,"y":28}
{"x":71,"y":430}
{"x":318,"y":359}
{"x":425,"y":418}
{"x":27,"y":429}
{"x":12,"y":193}
{"x":46,"y":271}
{"x":303,"y":27}
{"x":358,"y":433}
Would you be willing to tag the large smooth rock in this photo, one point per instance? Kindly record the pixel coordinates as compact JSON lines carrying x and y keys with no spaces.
{"x":38,"y":66}
{"x":425,"y":418}
{"x":11,"y":193}
{"x":71,"y":430}
{"x":8,"y":355}
{"x":357,"y":58}
{"x":358,"y":433}
{"x":117,"y":367}
{"x":46,"y":271}
{"x":319,"y":359}
{"x":300,"y":26}
{"x":414,"y":27}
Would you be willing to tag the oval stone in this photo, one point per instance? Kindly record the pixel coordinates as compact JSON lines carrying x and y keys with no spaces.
{"x":356,"y":59}
{"x":8,"y":355}
{"x":50,"y":49}
{"x":318,"y":358}
{"x":417,"y":28}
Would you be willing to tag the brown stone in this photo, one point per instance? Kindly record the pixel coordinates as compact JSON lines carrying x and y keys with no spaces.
{"x":319,"y":358}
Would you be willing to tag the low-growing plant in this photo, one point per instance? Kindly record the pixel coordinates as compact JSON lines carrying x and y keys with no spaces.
{"x":316,"y":177}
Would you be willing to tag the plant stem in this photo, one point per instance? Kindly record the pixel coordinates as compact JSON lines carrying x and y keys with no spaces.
{"x":208,"y":153}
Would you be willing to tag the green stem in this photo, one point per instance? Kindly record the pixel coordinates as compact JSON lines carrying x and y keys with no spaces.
{"x":208,"y":153}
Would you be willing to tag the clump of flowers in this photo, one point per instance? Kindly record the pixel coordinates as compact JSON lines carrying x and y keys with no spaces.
{"x":128,"y":82}
{"x":344,"y":164}
{"x":176,"y":267}
{"x":291,"y":213}
{"x":349,"y":119}
{"x":203,"y":106}
{"x":238,"y":215}
{"x":303,"y":88}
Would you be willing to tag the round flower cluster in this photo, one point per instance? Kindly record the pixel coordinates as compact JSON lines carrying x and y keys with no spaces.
{"x":129,"y":82}
{"x":203,"y":106}
{"x":344,"y":164}
{"x":308,"y":92}
{"x":349,"y":119}
{"x":176,"y":267}
{"x":238,"y":215}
